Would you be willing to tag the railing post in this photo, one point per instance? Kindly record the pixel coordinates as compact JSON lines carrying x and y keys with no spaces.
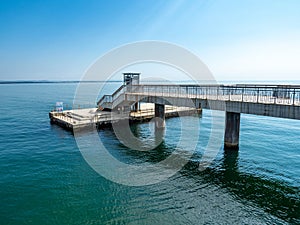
{"x":243,"y":94}
{"x":294,"y":96}
{"x":186,"y":91}
{"x":257,"y":95}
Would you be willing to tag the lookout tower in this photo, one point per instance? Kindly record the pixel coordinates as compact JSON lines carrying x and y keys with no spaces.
{"x":131,"y":78}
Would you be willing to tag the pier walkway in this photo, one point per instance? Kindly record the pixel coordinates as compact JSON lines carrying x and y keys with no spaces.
{"x":281,"y":101}
{"x":127,"y":102}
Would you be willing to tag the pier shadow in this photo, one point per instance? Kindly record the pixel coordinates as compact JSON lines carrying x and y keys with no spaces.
{"x":134,"y":156}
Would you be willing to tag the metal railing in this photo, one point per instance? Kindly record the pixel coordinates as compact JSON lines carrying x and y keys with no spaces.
{"x":268,"y":94}
{"x":111,"y":98}
{"x":70,"y":106}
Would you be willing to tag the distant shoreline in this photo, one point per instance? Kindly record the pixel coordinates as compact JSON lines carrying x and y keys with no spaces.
{"x":52,"y":82}
{"x":262,"y":82}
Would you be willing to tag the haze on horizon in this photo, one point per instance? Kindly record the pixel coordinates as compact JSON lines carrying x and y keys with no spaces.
{"x":237,"y":40}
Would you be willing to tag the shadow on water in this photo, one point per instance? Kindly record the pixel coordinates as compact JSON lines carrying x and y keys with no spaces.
{"x":275,"y":197}
{"x":131,"y":156}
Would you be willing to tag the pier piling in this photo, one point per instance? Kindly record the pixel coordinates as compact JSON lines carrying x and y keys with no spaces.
{"x":232,"y":130}
{"x":159,"y":112}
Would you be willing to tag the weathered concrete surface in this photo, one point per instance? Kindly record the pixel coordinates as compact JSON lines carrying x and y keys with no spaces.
{"x":232,"y":130}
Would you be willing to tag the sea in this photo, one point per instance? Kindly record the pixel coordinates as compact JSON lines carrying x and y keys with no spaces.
{"x":46,"y":180}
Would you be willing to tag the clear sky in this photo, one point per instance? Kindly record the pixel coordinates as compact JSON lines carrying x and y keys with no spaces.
{"x":237,"y":40}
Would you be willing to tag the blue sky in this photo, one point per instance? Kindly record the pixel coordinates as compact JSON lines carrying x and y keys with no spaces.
{"x":237,"y":40}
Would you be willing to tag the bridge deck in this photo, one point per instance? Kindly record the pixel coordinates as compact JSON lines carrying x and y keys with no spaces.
{"x":269,"y":100}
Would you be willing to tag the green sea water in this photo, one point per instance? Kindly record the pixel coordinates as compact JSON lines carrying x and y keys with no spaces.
{"x":45,"y":180}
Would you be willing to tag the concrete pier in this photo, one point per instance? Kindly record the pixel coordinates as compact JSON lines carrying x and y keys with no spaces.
{"x":159,"y":113}
{"x":281,"y":101}
{"x":232,"y":130}
{"x":83,"y":118}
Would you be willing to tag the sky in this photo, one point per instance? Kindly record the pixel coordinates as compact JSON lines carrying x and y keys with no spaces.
{"x":237,"y":40}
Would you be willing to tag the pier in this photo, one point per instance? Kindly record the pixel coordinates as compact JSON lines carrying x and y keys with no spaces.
{"x":281,"y":101}
{"x":84,"y":118}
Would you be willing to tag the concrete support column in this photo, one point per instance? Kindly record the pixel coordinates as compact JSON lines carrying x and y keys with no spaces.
{"x":232,"y":130}
{"x":159,"y":111}
{"x":136,"y":107}
{"x":199,"y":109}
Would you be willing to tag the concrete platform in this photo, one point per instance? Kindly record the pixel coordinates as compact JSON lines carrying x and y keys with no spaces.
{"x":81,"y":118}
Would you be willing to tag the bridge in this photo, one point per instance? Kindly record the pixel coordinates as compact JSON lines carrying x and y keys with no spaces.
{"x":281,"y":101}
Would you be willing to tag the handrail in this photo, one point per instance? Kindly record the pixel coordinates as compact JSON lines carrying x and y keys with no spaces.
{"x":112,"y":96}
{"x":270,"y":94}
{"x":118,"y":90}
{"x":223,"y":85}
{"x":102,"y":98}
